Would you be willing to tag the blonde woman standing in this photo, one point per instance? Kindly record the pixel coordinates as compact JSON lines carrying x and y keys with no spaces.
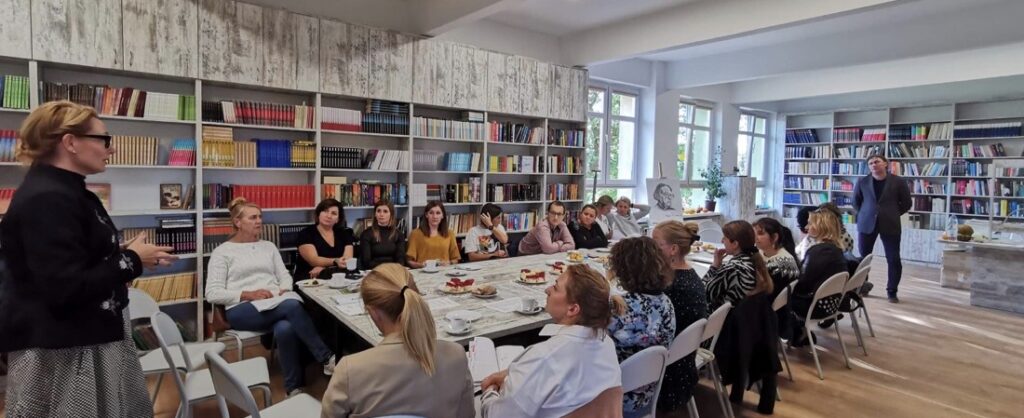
{"x":410,"y":372}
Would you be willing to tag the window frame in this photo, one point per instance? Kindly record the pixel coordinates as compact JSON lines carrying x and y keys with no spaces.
{"x":610,"y":89}
{"x":752,"y":133}
{"x":688,"y":181}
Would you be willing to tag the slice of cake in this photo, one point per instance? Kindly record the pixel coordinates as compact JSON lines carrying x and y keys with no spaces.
{"x":458,"y":285}
{"x":532,"y":276}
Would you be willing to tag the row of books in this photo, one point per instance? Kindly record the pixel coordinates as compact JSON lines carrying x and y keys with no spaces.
{"x":371,"y":121}
{"x":859,"y":151}
{"x":843,"y":185}
{"x":971,"y":188}
{"x":447,"y":128}
{"x":856,"y":168}
{"x":567,"y":137}
{"x":446,"y":161}
{"x":167,"y":287}
{"x":560,"y":191}
{"x":564,"y":164}
{"x":920,"y":186}
{"x":366,"y":194}
{"x":467,"y":191}
{"x":801,"y":136}
{"x":1012,"y":172}
{"x":968,"y":206}
{"x":336,"y":119}
{"x":359,"y":158}
{"x":14,"y":92}
{"x":528,"y":164}
{"x":928,"y":204}
{"x":1011,"y":188}
{"x":270,"y":153}
{"x":259,"y":113}
{"x":135,"y":150}
{"x":217,"y":231}
{"x":518,"y":133}
{"x":183,"y":240}
{"x":804,"y":198}
{"x":9,"y":143}
{"x":914,"y":169}
{"x":987,"y":130}
{"x":805,"y":183}
{"x":976,"y":150}
{"x":384,"y":117}
{"x":218,"y":196}
{"x":521,"y":221}
{"x":967,"y":168}
{"x":802,"y":167}
{"x":920,"y":132}
{"x":123,"y":101}
{"x":1009,"y":208}
{"x":513,"y":192}
{"x":461,"y":223}
{"x":842,"y":201}
{"x":902,"y":150}
{"x":183,"y":153}
{"x":858,"y":134}
{"x":818,"y":151}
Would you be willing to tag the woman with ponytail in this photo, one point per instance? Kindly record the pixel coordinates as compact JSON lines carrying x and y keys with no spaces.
{"x":745,"y":274}
{"x":410,"y":372}
{"x":575,"y":371}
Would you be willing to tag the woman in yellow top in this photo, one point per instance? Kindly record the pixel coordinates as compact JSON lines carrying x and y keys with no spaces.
{"x":432,"y":240}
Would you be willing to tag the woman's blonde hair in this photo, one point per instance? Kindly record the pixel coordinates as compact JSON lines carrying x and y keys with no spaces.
{"x":680,"y":234}
{"x":389,"y":288}
{"x":42,"y":130}
{"x":826,"y":224}
{"x":588,"y":289}
{"x":237,"y":208}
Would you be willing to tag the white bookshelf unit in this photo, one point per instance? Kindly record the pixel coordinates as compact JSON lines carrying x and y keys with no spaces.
{"x":135,"y":189}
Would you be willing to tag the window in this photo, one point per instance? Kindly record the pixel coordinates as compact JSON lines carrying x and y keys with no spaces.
{"x":750,"y":145}
{"x":694,"y":141}
{"x":613,"y":192}
{"x":612,"y":135}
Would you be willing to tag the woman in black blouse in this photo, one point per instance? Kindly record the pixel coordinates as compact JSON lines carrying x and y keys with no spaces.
{"x":382,"y":242}
{"x":686,"y":292}
{"x":327,"y":244}
{"x":823,"y":260}
{"x":745,"y":274}
{"x":62,"y":305}
{"x":586,"y":232}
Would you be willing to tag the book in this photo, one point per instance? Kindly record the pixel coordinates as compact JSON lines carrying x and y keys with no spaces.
{"x":485,"y":359}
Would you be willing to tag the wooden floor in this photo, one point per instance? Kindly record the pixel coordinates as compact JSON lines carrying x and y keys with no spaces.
{"x":934,"y":356}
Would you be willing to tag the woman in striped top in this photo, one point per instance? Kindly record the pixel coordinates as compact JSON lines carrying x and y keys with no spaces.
{"x":744,"y":274}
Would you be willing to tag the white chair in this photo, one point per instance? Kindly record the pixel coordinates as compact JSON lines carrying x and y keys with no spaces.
{"x":240,"y":336}
{"x":686,"y":343}
{"x":865,"y":262}
{"x":197,"y":386}
{"x":706,"y":357}
{"x":852,"y":286}
{"x":711,"y":234}
{"x":780,"y":302}
{"x":644,"y":368}
{"x":829,"y":295}
{"x":230,"y":388}
{"x":141,"y":305}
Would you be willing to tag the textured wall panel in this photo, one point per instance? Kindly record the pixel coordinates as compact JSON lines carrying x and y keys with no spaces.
{"x":85,"y":32}
{"x":15,"y":39}
{"x":390,"y":65}
{"x":343,"y":58}
{"x":161,"y":36}
{"x":231,"y":41}
{"x":496,"y":76}
{"x":291,"y":50}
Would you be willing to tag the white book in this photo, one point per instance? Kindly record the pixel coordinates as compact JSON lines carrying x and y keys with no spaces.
{"x":268,"y":304}
{"x":485,"y":359}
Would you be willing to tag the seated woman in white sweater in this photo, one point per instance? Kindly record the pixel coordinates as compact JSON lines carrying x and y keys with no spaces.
{"x":246,"y":269}
{"x":624,"y":222}
{"x":577,"y":364}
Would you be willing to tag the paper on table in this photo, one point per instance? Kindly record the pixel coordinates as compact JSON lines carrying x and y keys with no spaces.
{"x":349,"y":304}
{"x":441,"y":303}
{"x":271,"y":303}
{"x":484,"y":359}
{"x":505,"y":305}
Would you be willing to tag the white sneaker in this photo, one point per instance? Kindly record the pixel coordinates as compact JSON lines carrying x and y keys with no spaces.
{"x":329,"y":365}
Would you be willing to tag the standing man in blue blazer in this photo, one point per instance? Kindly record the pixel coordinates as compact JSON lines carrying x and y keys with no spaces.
{"x":880,"y":199}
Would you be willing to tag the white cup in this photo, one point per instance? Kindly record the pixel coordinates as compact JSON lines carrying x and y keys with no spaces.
{"x":350,"y":264}
{"x":430,"y":265}
{"x":457,"y":324}
{"x":528,"y":304}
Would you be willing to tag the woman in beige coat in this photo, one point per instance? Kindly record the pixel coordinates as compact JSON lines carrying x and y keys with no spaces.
{"x":410,"y":372}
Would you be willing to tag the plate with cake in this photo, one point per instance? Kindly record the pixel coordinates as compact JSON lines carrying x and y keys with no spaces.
{"x":558,"y":268}
{"x":457,"y":286}
{"x":485,"y":291}
{"x":528,"y":276}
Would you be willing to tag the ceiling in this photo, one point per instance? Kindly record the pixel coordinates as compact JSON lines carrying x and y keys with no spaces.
{"x":562,"y":17}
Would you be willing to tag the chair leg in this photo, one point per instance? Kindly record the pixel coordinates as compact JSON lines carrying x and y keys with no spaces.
{"x":723,"y":397}
{"x":814,"y":351}
{"x":839,"y":335}
{"x":785,"y":358}
{"x":238,"y":347}
{"x":691,"y":407}
{"x":867,"y":318}
{"x":222,"y":405}
{"x":159,"y":381}
{"x":856,"y":332}
{"x":268,"y":400}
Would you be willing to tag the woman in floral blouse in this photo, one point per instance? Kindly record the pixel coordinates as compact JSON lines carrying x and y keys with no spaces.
{"x":644,"y":314}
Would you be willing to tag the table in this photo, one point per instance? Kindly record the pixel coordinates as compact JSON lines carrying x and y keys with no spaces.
{"x":500,"y":273}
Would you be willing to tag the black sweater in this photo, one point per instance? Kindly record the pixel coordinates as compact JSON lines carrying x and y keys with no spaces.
{"x":373,"y":253}
{"x":588,"y":238}
{"x":67,"y":275}
{"x":821,"y":261}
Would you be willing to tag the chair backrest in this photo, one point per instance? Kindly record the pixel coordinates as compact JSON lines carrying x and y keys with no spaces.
{"x":857,"y":281}
{"x":713,"y":235}
{"x":687,"y":341}
{"x":228,"y":385}
{"x":865,"y":263}
{"x":168,"y":336}
{"x":141,"y":304}
{"x":831,"y":291}
{"x":644,"y":368}
{"x":781,"y":300}
{"x":715,"y":322}
{"x":606,"y":405}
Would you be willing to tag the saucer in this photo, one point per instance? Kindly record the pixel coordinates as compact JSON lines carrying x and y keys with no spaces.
{"x":430,"y":271}
{"x":310,"y":282}
{"x":535,"y":311}
{"x":451,"y":331}
{"x":455,"y":273}
{"x":484,"y":296}
{"x":469,"y":316}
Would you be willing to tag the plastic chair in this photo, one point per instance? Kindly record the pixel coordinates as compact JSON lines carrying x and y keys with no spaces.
{"x":851,"y":288}
{"x":683,"y":345}
{"x":644,"y":368}
{"x":780,"y":302}
{"x":713,"y":235}
{"x":828,"y":296}
{"x":608,"y":404}
{"x":865,"y":262}
{"x":141,"y":305}
{"x":238,"y":335}
{"x":706,"y":357}
{"x":230,"y":388}
{"x":197,"y":386}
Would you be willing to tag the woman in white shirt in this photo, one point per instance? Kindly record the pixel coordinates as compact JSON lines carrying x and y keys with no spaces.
{"x":246,"y":269}
{"x":488,"y":239}
{"x":558,"y":376}
{"x":604,"y":206}
{"x":624,"y":221}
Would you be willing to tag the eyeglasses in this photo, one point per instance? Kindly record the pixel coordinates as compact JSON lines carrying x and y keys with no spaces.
{"x":103,"y":137}
{"x":557,"y":213}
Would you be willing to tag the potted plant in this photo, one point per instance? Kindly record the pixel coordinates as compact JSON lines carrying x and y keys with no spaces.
{"x":713,"y":182}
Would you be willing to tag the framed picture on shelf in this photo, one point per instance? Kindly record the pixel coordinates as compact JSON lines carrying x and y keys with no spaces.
{"x":170,"y":196}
